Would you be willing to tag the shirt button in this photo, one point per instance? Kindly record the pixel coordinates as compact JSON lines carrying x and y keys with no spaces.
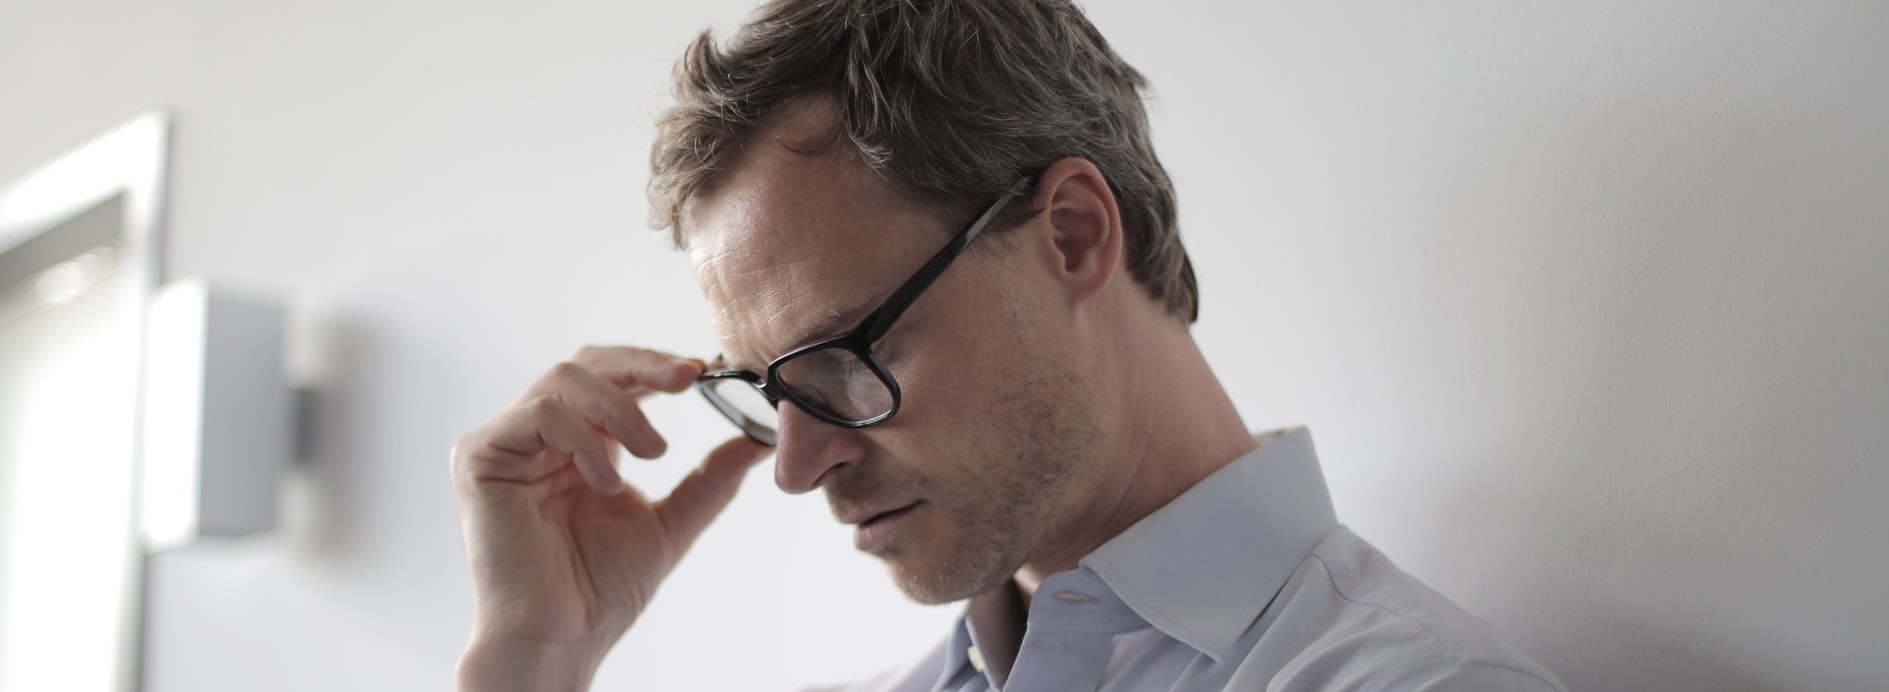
{"x":1074,"y":597}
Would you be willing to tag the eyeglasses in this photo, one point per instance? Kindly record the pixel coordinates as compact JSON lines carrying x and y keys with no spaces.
{"x":839,"y":380}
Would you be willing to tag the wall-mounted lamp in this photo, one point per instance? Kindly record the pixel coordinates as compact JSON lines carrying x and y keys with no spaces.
{"x":218,"y":415}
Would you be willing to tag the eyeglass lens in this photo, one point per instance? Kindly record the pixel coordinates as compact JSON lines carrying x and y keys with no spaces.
{"x":746,"y":406}
{"x":836,"y":381}
{"x":831,"y":382}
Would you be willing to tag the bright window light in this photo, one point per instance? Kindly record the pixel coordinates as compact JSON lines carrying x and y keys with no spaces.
{"x":69,"y":516}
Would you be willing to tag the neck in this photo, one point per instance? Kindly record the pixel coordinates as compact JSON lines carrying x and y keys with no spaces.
{"x":1167,"y":425}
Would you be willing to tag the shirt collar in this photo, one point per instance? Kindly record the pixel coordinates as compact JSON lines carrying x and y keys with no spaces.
{"x":1203,"y":567}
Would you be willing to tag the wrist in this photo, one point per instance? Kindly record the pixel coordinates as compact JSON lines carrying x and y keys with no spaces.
{"x":516,"y":665}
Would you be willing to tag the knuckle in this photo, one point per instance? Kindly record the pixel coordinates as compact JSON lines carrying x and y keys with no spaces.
{"x":541,"y":406}
{"x":466,"y":441}
{"x":463,"y":461}
{"x":568,"y":370}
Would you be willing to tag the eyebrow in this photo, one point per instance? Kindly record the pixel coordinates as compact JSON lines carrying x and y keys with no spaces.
{"x":833,"y":323}
{"x":837,"y":322}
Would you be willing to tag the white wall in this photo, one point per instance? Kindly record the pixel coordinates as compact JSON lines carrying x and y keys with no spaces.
{"x":1585,"y":305}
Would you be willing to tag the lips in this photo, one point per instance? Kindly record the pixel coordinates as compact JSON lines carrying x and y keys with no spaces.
{"x":861,"y":517}
{"x":876,"y":531}
{"x":883,"y":516}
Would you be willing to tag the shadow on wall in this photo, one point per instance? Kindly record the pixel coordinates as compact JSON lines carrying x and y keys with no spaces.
{"x":381,"y":407}
{"x":324,"y":517}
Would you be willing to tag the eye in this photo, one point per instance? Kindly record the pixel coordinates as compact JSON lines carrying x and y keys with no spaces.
{"x":812,"y":395}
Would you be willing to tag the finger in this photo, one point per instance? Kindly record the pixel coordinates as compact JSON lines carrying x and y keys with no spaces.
{"x":640,"y":370}
{"x":605,"y":406}
{"x":544,"y":424}
{"x":702,"y":496}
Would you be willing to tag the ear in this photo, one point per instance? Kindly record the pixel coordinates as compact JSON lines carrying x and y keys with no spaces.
{"x":1085,"y":226}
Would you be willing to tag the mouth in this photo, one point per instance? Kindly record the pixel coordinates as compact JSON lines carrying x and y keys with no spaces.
{"x":887,"y":515}
{"x":872,"y":534}
{"x":861,"y":517}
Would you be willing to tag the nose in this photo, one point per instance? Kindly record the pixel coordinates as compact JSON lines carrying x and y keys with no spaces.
{"x":808,"y":451}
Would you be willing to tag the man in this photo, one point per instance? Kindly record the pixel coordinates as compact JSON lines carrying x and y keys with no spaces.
{"x":944,"y":265}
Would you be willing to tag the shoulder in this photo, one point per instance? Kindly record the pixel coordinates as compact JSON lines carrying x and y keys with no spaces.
{"x":1362,"y":624}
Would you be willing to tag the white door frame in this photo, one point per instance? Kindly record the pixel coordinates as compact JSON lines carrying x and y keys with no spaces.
{"x":130,"y":160}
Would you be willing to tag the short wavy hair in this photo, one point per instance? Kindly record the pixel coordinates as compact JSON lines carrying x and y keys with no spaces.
{"x":950,"y":100}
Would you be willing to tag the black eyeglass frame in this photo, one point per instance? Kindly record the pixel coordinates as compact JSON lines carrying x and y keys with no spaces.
{"x":858,"y":341}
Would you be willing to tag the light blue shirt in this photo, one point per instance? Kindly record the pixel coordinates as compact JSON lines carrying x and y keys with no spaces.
{"x":1244,"y":582}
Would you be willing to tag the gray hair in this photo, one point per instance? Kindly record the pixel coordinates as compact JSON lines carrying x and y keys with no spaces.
{"x":950,"y":100}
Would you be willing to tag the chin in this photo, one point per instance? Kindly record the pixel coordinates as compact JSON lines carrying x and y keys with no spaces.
{"x":928,"y":590}
{"x":927,"y":579}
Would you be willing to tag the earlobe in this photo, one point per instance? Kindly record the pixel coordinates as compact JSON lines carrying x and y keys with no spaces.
{"x":1085,"y":224}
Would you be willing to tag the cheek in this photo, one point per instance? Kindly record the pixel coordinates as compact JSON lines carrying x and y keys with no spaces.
{"x":964,"y":353}
{"x":958,"y":361}
{"x":941,"y":433}
{"x":944,"y":381}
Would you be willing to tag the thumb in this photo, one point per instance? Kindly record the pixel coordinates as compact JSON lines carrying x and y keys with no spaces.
{"x":702,"y":496}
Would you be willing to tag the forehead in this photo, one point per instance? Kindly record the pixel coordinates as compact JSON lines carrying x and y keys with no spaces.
{"x":788,"y":238}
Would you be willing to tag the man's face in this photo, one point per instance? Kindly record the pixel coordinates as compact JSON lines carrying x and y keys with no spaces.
{"x":988,"y":454}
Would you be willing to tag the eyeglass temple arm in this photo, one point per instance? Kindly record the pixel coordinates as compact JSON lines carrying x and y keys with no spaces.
{"x":894,"y":306}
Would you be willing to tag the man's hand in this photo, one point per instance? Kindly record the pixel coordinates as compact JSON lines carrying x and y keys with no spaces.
{"x":564,"y":554}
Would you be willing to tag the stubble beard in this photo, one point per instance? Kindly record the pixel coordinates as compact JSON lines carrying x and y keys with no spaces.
{"x":1006,"y":508}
